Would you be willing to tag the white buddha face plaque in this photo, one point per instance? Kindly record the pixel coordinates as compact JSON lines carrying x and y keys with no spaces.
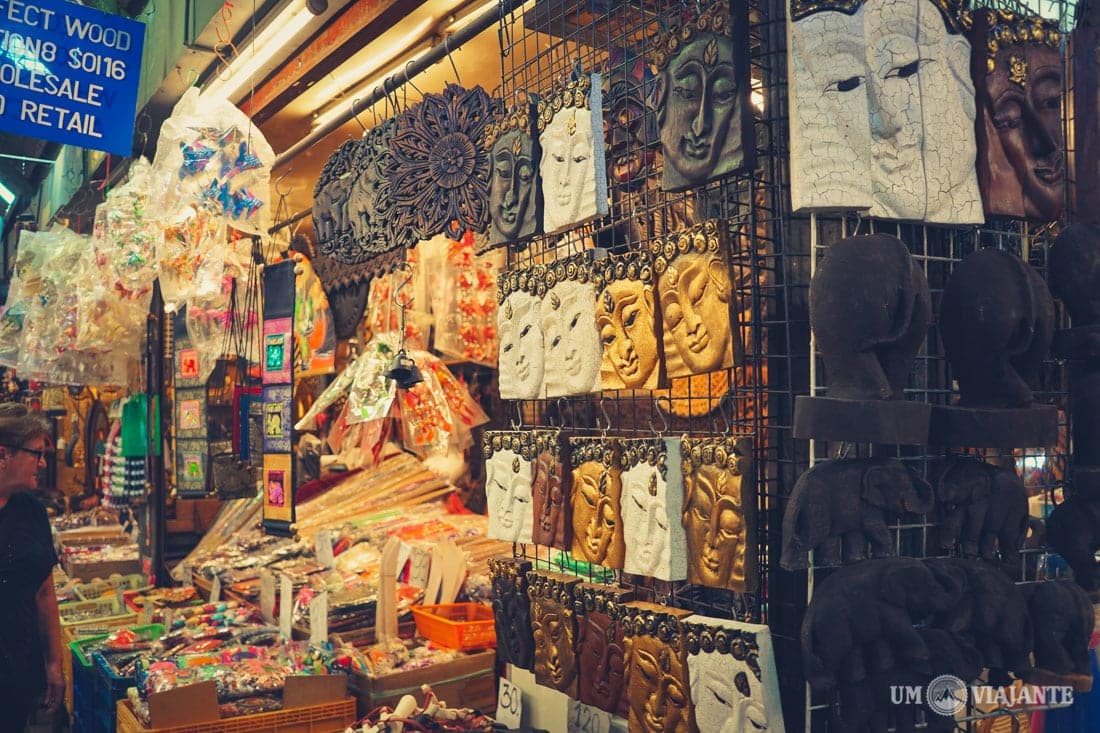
{"x":572,"y":168}
{"x":571,"y":341}
{"x":882,"y":105}
{"x":652,"y":502}
{"x":520,"y":356}
{"x":508,"y":485}
{"x":732,"y":676}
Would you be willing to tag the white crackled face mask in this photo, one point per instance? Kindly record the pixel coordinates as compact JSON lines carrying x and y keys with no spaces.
{"x":508,"y":494}
{"x":651,"y":506}
{"x":568,"y":169}
{"x":571,"y":340}
{"x":520,"y":356}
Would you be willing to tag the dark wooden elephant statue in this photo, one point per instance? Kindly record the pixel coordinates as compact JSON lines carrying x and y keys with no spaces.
{"x":1063,"y":619}
{"x":863,"y":615}
{"x":838,"y":507}
{"x":996,"y":323}
{"x":1073,"y":531}
{"x":869,"y":309}
{"x":991,"y":613}
{"x":982,"y":508}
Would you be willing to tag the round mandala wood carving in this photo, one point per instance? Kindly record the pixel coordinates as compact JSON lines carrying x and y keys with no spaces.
{"x":439,"y":171}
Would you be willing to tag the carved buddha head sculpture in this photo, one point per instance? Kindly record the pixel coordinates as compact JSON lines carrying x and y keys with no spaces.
{"x":508,"y":457}
{"x":520,"y":358}
{"x":657,"y":692}
{"x":863,"y":134}
{"x":574,"y":177}
{"x":554,"y":626}
{"x":719,"y":514}
{"x":597,"y":523}
{"x":571,"y":343}
{"x":694,"y":291}
{"x":515,"y":197}
{"x":601,"y":656}
{"x":734,"y":686}
{"x":512,"y":611}
{"x":626,"y":316}
{"x":652,"y":497}
{"x":1017,"y":69}
{"x":702,"y":97}
{"x":630,"y":122}
{"x":550,"y":481}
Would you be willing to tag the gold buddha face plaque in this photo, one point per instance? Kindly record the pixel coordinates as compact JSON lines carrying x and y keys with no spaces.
{"x":554,"y":627}
{"x":657,"y":691}
{"x":597,"y":524}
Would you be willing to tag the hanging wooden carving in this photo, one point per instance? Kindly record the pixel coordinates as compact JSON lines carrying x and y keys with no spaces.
{"x":719,"y":513}
{"x":596,"y":491}
{"x":657,"y":691}
{"x":702,"y":97}
{"x":652,"y":503}
{"x":515,"y":196}
{"x":550,"y":481}
{"x":628,"y":321}
{"x":508,"y":456}
{"x":439,"y":171}
{"x":331,"y":222}
{"x":1017,"y":67}
{"x":554,"y":624}
{"x":512,"y":611}
{"x":601,"y":657}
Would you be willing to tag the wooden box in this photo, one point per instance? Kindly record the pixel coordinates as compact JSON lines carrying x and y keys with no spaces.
{"x":467,"y":682}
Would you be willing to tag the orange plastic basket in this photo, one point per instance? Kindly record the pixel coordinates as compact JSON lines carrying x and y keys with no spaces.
{"x":462,"y":626}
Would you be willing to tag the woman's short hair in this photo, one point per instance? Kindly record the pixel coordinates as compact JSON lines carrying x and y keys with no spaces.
{"x":19,"y":424}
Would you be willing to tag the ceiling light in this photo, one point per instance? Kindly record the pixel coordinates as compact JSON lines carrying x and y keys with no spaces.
{"x":260,"y":50}
{"x":358,"y":97}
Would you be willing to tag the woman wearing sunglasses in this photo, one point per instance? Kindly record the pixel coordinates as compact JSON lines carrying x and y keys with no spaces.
{"x":30,"y":633}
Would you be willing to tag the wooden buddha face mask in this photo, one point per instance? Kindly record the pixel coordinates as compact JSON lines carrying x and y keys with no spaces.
{"x":520,"y":357}
{"x":694,"y":291}
{"x":719,"y":514}
{"x":601,"y":656}
{"x":553,"y":623}
{"x":1017,"y":69}
{"x":734,"y":685}
{"x":628,"y":323}
{"x":550,"y":490}
{"x":508,"y":485}
{"x":630,"y":122}
{"x":597,"y":524}
{"x":652,"y":496}
{"x":574,"y":177}
{"x":702,"y":98}
{"x":515,"y":197}
{"x":657,"y":692}
{"x":512,"y":611}
{"x":571,"y":343}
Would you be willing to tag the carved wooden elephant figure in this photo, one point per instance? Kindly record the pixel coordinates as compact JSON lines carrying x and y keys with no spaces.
{"x":996,"y":323}
{"x":849,"y":501}
{"x":990,"y":612}
{"x":1073,"y":530}
{"x":869,"y":309}
{"x":1063,"y":619}
{"x":982,"y":507}
{"x":866,"y":613}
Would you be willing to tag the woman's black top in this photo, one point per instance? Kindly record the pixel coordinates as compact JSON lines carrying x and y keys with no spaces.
{"x":27,"y":558}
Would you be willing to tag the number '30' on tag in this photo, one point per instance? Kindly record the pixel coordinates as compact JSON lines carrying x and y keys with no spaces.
{"x":509,"y":704}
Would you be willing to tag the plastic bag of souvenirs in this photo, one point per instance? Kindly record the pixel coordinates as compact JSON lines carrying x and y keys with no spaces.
{"x":192,"y":256}
{"x":438,"y":413}
{"x":462,"y":289}
{"x":210,"y":156}
{"x":126,"y":241}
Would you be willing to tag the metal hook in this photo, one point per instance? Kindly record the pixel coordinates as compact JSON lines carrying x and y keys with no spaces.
{"x":606,"y":418}
{"x":356,"y":115}
{"x":404,"y":266}
{"x":447,"y":48}
{"x":377,"y":98}
{"x":518,"y":422}
{"x":282,"y":194}
{"x":664,"y":419}
{"x":727,"y":417}
{"x":409,"y":81}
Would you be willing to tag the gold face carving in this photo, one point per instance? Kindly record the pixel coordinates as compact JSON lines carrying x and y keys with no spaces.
{"x":597,"y":523}
{"x":657,"y":686}
{"x":626,"y":319}
{"x":554,"y":629}
{"x":714,"y":521}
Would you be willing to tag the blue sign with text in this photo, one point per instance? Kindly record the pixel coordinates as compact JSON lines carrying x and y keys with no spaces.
{"x":69,"y":74}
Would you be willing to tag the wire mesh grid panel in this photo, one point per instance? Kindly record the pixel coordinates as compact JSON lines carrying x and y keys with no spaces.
{"x":560,"y":40}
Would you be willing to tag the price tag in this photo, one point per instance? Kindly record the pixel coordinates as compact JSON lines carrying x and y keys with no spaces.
{"x":587,"y":719}
{"x":190,"y":576}
{"x":509,"y":704}
{"x":402,"y":557}
{"x":216,"y":589}
{"x":145,"y":615}
{"x":267,"y":596}
{"x":318,"y":619}
{"x":420,"y":562}
{"x":322,"y":541}
{"x":286,"y":607}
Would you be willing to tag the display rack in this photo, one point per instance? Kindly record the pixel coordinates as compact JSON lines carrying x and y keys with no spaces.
{"x":773,"y":257}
